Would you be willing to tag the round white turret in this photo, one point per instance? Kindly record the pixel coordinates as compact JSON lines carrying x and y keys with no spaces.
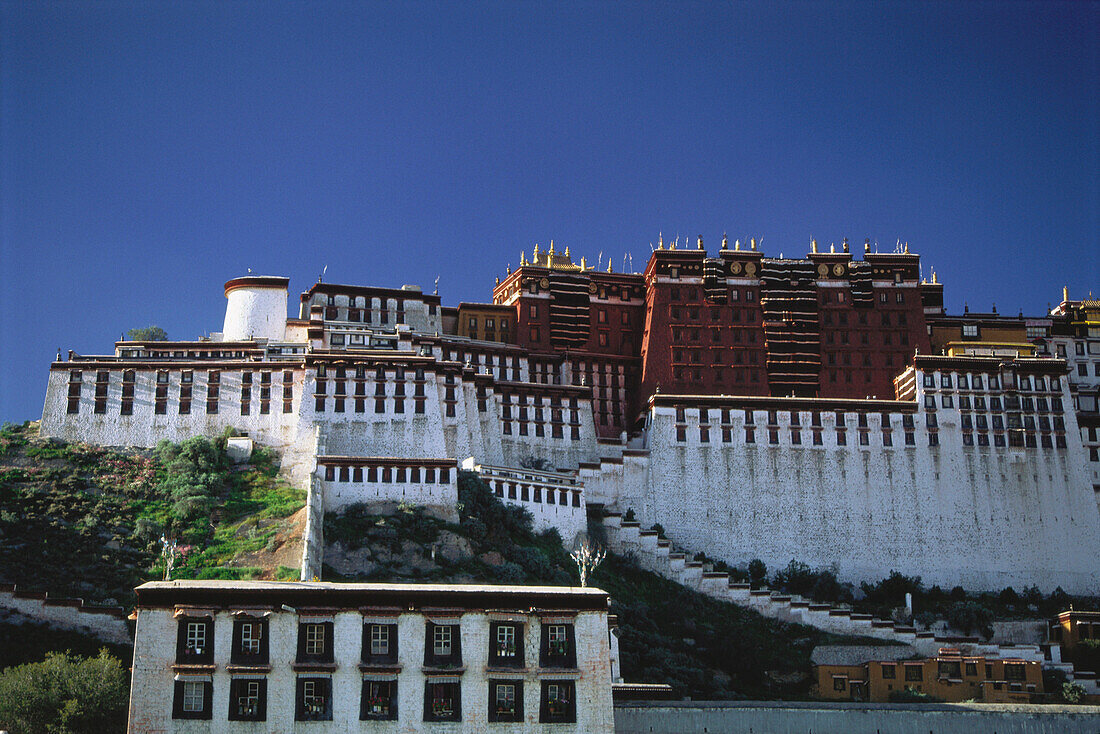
{"x":255,"y":308}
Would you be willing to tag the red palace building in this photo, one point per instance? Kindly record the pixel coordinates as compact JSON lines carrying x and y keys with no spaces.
{"x":737,"y":324}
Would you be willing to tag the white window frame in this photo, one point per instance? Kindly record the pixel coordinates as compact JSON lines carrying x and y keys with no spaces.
{"x":379,"y":639}
{"x":506,"y":694}
{"x":250,"y":638}
{"x":506,"y":641}
{"x":311,"y":702}
{"x":315,"y":639}
{"x":248,"y":704}
{"x":196,"y":637}
{"x":194,"y":696}
{"x":442,"y":640}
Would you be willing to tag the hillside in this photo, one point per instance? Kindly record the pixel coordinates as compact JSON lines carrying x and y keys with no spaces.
{"x":87,"y":521}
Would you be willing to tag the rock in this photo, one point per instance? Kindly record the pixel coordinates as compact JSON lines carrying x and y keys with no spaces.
{"x":356,"y":562}
{"x":452,"y":547}
{"x":492,"y":558}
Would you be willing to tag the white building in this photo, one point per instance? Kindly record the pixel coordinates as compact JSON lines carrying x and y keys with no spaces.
{"x":213,"y":656}
{"x":984,"y":480}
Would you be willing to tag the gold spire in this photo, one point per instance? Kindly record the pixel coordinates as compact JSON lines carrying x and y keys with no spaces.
{"x":508,"y":269}
{"x":660,"y":241}
{"x":752,"y":243}
{"x":523,"y":258}
{"x":934,"y":281}
{"x":551,"y":248}
{"x":609,"y":264}
{"x":813,"y":245}
{"x":867,"y":246}
{"x":567,"y":250}
{"x":1065,"y":293}
{"x":498,"y":280}
{"x":725,"y":242}
{"x":845,"y":244}
{"x":535,"y":254}
{"x":700,"y":245}
{"x":907,"y":247}
{"x":736,"y":245}
{"x":584,"y":264}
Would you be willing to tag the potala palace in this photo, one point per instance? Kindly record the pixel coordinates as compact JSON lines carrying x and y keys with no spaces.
{"x":824,"y":409}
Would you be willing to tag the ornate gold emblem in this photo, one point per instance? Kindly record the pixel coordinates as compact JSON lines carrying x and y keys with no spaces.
{"x":750,"y":269}
{"x":823,"y":269}
{"x":735,"y":268}
{"x":838,"y":269}
{"x":544,"y":283}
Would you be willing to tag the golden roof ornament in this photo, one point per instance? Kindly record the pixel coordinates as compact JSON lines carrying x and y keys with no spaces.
{"x":700,"y":245}
{"x":867,"y":245}
{"x":1065,"y":293}
{"x":583,"y":263}
{"x":725,"y":241}
{"x":845,"y":244}
{"x":498,"y":280}
{"x":535,"y":254}
{"x":609,"y":265}
{"x":508,"y":269}
{"x":907,"y":247}
{"x":736,"y":245}
{"x":752,"y":243}
{"x":660,"y":241}
{"x":551,"y":248}
{"x":813,"y":245}
{"x":567,"y":250}
{"x":832,"y":247}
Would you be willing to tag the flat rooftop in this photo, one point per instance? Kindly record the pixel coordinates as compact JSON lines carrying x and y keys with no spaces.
{"x":411,"y":597}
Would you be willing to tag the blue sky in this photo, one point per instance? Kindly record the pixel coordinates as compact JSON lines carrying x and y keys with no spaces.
{"x":151,"y":151}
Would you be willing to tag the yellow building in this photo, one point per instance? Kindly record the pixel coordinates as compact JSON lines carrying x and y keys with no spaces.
{"x":950,"y":676}
{"x":487,"y":321}
{"x":1070,"y":629}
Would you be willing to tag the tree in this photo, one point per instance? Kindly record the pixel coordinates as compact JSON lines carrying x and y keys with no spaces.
{"x":588,"y":558}
{"x":147,"y":334}
{"x":65,"y":694}
{"x":758,"y":572}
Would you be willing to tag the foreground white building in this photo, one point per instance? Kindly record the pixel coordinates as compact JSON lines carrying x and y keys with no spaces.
{"x":213,"y":656}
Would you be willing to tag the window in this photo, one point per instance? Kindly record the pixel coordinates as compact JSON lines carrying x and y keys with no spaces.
{"x":970,"y":331}
{"x":192,"y":700}
{"x":1015,"y":671}
{"x":558,"y":649}
{"x":889,"y":671}
{"x":971,"y":669}
{"x":506,"y":701}
{"x":558,"y":702}
{"x":249,"y":642}
{"x":442,"y":700}
{"x":506,"y":644}
{"x":195,"y":643}
{"x":443,"y":646}
{"x":914,"y":672}
{"x":248,"y":699}
{"x":315,"y":642}
{"x":379,"y":701}
{"x":314,"y":699}
{"x":379,"y":643}
{"x":840,"y":683}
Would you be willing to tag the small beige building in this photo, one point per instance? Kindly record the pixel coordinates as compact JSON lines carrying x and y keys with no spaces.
{"x":259,"y":656}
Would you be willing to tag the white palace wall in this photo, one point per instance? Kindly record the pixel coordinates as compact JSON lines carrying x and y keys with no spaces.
{"x":983,"y":518}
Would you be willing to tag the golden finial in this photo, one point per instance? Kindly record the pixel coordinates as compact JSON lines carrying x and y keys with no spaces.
{"x":1065,"y":294}
{"x":551,"y":248}
{"x":725,"y":241}
{"x":583,"y":263}
{"x":934,"y":281}
{"x":609,"y":265}
{"x":700,"y":245}
{"x":523,"y":258}
{"x":832,"y":247}
{"x":567,"y":250}
{"x":660,"y":241}
{"x":674,"y":243}
{"x":498,"y":280}
{"x":813,"y":245}
{"x":867,"y":244}
{"x":845,"y":244}
{"x":736,"y":245}
{"x":535,"y":254}
{"x":508,"y":269}
{"x":752,"y":243}
{"x":907,"y":247}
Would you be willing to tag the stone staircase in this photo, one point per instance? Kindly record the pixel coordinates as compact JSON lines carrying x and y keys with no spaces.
{"x":656,"y":554}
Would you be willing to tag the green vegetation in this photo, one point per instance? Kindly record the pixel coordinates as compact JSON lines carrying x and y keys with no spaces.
{"x":908,"y":695}
{"x":65,"y":694}
{"x":147,"y":334}
{"x":26,"y":642}
{"x":87,"y":521}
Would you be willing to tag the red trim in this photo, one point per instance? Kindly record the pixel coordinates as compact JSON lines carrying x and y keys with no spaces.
{"x":257,"y":281}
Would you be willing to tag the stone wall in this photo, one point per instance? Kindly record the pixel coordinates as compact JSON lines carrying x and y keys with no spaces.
{"x":105,"y":623}
{"x":781,"y":717}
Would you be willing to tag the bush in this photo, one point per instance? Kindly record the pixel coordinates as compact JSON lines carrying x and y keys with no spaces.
{"x":65,"y":694}
{"x":970,"y":616}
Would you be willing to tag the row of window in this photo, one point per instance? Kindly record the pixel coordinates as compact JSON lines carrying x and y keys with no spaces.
{"x":978,"y":402}
{"x":386,"y":474}
{"x":442,"y":648}
{"x":977,"y":382}
{"x":378,"y":700}
{"x":534,"y":493}
{"x":840,"y":417}
{"x":185,"y":392}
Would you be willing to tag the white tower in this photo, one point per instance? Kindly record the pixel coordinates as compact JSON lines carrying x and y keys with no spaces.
{"x":256,"y":308}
